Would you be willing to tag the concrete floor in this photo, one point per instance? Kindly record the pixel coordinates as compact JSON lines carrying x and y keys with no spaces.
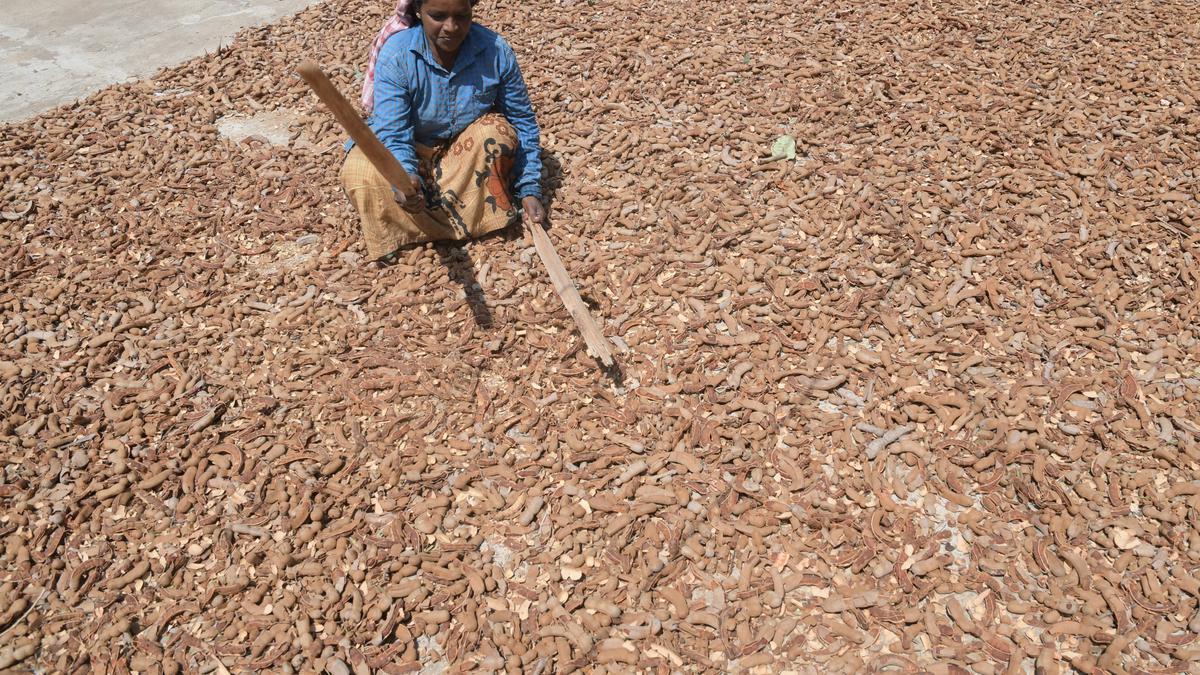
{"x":55,"y":51}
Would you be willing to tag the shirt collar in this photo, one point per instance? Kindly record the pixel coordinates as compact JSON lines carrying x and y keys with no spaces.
{"x":471,"y":47}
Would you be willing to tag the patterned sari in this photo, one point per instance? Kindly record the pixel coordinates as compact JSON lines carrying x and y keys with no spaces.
{"x":466,"y":189}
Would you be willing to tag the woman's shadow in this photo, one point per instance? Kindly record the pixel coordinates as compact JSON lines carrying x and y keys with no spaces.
{"x":456,"y":256}
{"x":552,"y":180}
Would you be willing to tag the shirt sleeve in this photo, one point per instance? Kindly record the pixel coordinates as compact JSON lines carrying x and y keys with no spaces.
{"x":513,"y":102}
{"x":392,"y":118}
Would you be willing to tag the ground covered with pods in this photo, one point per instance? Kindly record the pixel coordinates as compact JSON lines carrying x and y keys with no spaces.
{"x":923,"y":398}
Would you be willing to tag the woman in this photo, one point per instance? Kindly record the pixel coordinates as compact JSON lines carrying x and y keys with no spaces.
{"x":446,"y":96}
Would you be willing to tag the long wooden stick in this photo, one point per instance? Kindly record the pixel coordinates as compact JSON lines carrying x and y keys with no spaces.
{"x":387,"y":165}
{"x":595,"y":340}
{"x":380,"y":157}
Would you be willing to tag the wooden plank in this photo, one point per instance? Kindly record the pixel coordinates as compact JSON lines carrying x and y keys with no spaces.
{"x":378,"y":154}
{"x":596,"y":342}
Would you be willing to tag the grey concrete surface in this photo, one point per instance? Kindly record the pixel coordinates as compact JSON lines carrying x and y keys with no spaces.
{"x":56,"y":51}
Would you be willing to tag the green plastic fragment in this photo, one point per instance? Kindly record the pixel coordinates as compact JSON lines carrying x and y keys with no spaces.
{"x":784,"y":147}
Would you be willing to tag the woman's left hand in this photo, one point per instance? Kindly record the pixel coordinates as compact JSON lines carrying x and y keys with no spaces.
{"x":535,"y":214}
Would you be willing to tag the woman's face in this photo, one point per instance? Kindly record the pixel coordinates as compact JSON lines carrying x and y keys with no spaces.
{"x":446,"y":23}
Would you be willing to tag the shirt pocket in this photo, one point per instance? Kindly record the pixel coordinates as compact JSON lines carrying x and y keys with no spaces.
{"x":486,"y":94}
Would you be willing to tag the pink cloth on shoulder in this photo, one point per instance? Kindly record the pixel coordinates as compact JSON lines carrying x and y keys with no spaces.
{"x":399,"y":21}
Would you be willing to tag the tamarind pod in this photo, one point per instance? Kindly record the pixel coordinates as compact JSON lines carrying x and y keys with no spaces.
{"x":1183,"y":489}
{"x":113,"y":490}
{"x":434,"y":503}
{"x":573,"y":632}
{"x":761,"y":658}
{"x":206,"y":419}
{"x":443,"y":573}
{"x":678,"y":602}
{"x":436,"y":616}
{"x":136,"y":572}
{"x":784,"y":629}
{"x":876,"y":446}
{"x":690,"y":462}
{"x":844,"y":631}
{"x":864,"y":600}
{"x":531,"y":510}
{"x":928,"y":565}
{"x":474,"y":579}
{"x":655,"y":495}
{"x":155,"y":480}
{"x":1110,"y":659}
{"x":14,"y":655}
{"x":1071,"y":627}
{"x":616,"y":655}
{"x":617,"y":524}
{"x":599,"y":605}
{"x":631,"y":471}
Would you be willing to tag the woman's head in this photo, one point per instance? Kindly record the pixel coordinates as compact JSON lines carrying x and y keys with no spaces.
{"x":445,"y":22}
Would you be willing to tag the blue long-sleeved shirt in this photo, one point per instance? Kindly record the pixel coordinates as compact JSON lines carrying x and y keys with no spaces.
{"x":416,"y":99}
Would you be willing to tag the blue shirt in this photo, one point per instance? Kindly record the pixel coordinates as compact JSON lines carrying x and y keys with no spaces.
{"x":416,"y":99}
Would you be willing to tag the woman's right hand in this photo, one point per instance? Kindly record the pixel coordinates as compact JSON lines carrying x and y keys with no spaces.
{"x":412,"y":203}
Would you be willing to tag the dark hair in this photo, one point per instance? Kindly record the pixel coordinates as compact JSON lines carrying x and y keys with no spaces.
{"x":415,"y":7}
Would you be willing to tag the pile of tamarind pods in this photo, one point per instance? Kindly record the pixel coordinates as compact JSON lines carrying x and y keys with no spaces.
{"x":922,"y":399}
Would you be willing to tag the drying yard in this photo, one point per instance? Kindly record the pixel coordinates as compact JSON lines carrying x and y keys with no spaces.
{"x":924,"y":398}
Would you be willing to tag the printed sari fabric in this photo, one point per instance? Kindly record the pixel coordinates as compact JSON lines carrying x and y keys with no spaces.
{"x":467,"y":184}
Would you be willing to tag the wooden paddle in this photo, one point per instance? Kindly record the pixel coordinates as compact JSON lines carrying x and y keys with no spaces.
{"x":388,"y":166}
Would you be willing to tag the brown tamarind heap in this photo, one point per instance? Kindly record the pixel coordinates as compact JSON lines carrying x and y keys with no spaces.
{"x":923,"y":398}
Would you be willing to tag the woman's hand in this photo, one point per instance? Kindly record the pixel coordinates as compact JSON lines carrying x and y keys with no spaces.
{"x":412,"y":203}
{"x":535,"y":214}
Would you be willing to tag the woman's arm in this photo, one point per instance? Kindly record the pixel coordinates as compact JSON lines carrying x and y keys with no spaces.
{"x":392,"y":118}
{"x":513,"y":102}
